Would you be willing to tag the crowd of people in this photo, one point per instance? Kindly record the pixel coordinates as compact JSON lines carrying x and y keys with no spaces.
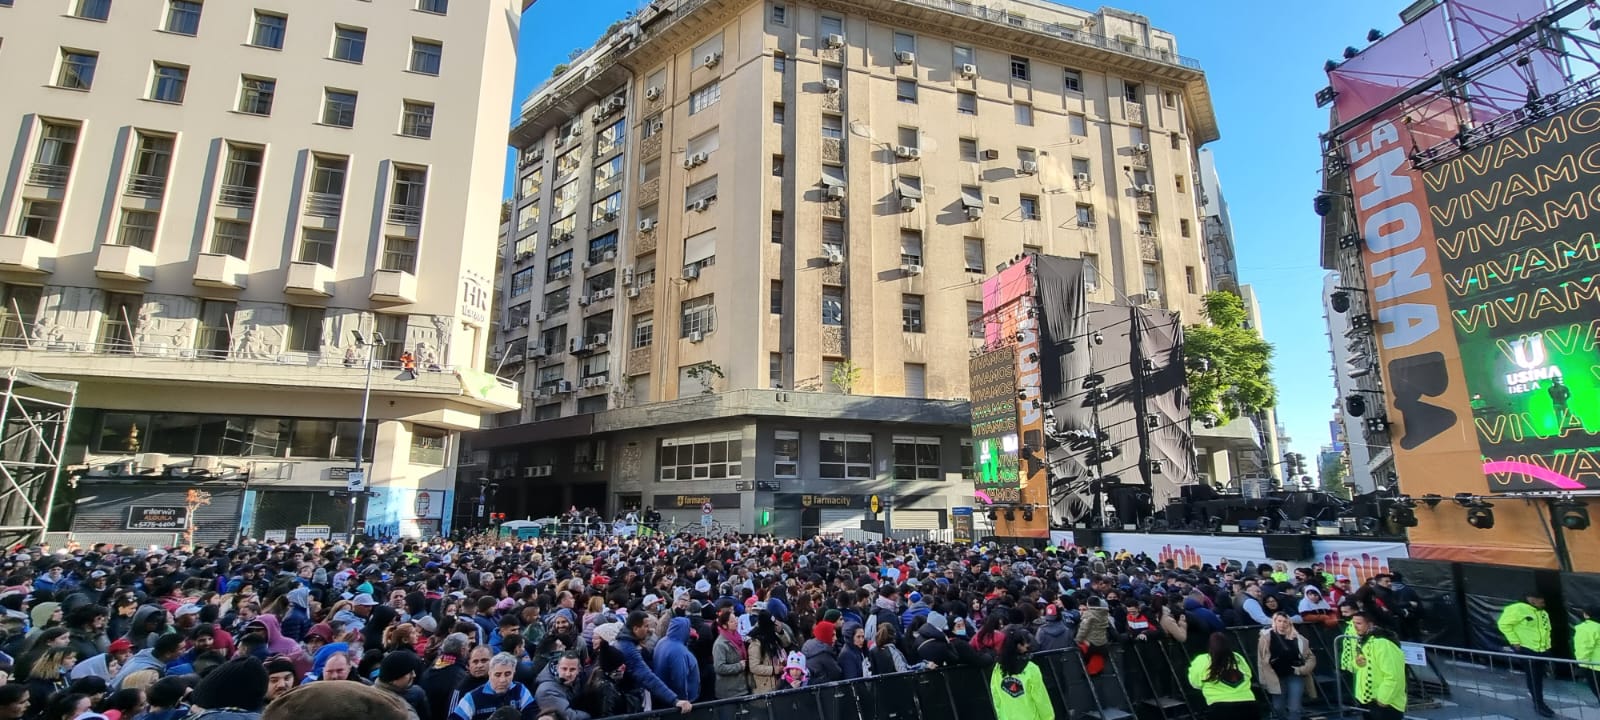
{"x":588,"y":628}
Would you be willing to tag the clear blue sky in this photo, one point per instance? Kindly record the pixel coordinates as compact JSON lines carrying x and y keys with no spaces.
{"x":1264,"y":62}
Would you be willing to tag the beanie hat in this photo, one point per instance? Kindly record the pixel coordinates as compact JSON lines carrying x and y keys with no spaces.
{"x":832,"y":615}
{"x":279,"y":664}
{"x":823,"y":632}
{"x":397,"y":665}
{"x":238,"y":683}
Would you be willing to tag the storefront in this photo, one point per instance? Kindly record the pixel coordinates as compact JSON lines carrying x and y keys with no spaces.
{"x":154,"y":511}
{"x":686,"y":509}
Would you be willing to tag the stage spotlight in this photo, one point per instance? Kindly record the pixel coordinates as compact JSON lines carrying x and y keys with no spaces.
{"x":1432,"y":500}
{"x":1214,"y":524}
{"x":1572,"y":515}
{"x":1326,"y":96}
{"x":1027,"y":513}
{"x":1322,"y":204}
{"x":993,"y":516}
{"x":1093,"y":380}
{"x":1374,"y":35}
{"x":1361,"y":321}
{"x":1355,"y":405}
{"x":1351,"y":52}
{"x":1098,"y":338}
{"x":1339,"y":300}
{"x":1349,"y":241}
{"x":1011,"y":514}
{"x":1481,"y":515}
{"x":1464,"y":499}
{"x":1402,"y":516}
{"x":1330,"y":66}
{"x":1148,"y":365}
{"x":1264,"y":524}
{"x":1152,"y":421}
{"x":1377,"y":425}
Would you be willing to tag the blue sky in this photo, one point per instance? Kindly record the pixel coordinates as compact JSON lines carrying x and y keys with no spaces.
{"x":1264,"y":62}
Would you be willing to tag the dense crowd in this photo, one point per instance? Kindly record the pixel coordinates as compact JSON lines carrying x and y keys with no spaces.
{"x":594,"y":627}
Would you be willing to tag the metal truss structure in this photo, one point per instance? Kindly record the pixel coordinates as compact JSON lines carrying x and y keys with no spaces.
{"x":34,"y":415}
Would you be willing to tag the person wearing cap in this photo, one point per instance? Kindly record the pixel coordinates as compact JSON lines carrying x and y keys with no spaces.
{"x":1526,"y":627}
{"x":397,"y":674}
{"x":234,"y":690}
{"x":280,"y":676}
{"x":167,"y":698}
{"x":354,"y":616}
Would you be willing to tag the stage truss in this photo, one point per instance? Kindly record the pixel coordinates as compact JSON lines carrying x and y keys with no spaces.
{"x":34,"y":416}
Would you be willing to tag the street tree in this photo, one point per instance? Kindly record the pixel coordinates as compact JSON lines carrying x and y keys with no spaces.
{"x":1229,"y":364}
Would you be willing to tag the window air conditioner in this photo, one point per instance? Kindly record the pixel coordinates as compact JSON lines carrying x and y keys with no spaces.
{"x":647,"y":225}
{"x":835,"y":192}
{"x":696,"y":336}
{"x":835,"y":40}
{"x":1029,"y":167}
{"x":711,"y":59}
{"x":699,"y":206}
{"x":908,"y":204}
{"x":973,"y":213}
{"x":905,"y":57}
{"x":690,"y":272}
{"x":911,"y":268}
{"x":563,"y":274}
{"x":1147,"y":189}
{"x":608,"y":256}
{"x":968,"y":70}
{"x":1142,"y":147}
{"x":1081,"y":177}
{"x":583,"y":301}
{"x":541,"y":317}
{"x":652,"y":93}
{"x":831,"y":84}
{"x":834,"y":257}
{"x":991,"y":154}
{"x":608,"y":217}
{"x":538,"y":351}
{"x":600,"y":339}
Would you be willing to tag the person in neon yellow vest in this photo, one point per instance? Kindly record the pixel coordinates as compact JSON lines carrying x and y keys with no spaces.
{"x":1380,"y":671}
{"x":1526,"y":626}
{"x":1223,"y":677}
{"x":1586,"y":647}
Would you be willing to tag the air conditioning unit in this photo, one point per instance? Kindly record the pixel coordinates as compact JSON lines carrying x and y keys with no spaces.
{"x":652,"y":93}
{"x":562,"y":274}
{"x":600,"y":339}
{"x":564,"y":237}
{"x":973,"y":213}
{"x":609,"y":256}
{"x":538,"y":351}
{"x":564,"y":386}
{"x":908,"y":204}
{"x":831,"y":85}
{"x":647,"y":225}
{"x":1029,"y":167}
{"x":583,"y":301}
{"x":1153,"y":297}
{"x":633,"y":292}
{"x":911,"y":268}
{"x":614,"y":104}
{"x":690,"y":272}
{"x":835,"y":192}
{"x":656,"y":126}
{"x":835,"y":40}
{"x":1147,"y":189}
{"x":543,"y":470}
{"x":905,"y":57}
{"x":696,"y":336}
{"x":208,"y":463}
{"x":604,"y":294}
{"x":697,"y":159}
{"x":699,"y":206}
{"x":991,"y":154}
{"x":834,"y":257}
{"x":711,"y":59}
{"x":1141,"y":148}
{"x":906,"y":152}
{"x":598,"y":116}
{"x":575,"y":345}
{"x":608,"y":217}
{"x":152,"y":461}
{"x":968,"y":70}
{"x":627,"y":276}
{"x":1081,"y":177}
{"x":521,"y":322}
{"x":593,"y":382}
{"x":586,"y":265}
{"x":577,"y":129}
{"x":541,"y":317}
{"x":529,"y":471}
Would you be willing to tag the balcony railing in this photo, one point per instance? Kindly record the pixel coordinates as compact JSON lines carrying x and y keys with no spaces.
{"x":147,"y":186}
{"x":237,"y":196}
{"x":324,"y":204}
{"x":405,"y":215}
{"x":1057,"y":30}
{"x":49,"y":175}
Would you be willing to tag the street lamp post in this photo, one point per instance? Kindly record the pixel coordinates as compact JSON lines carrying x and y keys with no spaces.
{"x":357,"y":485}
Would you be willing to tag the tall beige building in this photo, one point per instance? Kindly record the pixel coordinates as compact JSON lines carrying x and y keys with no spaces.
{"x":730,"y":195}
{"x":202,"y":202}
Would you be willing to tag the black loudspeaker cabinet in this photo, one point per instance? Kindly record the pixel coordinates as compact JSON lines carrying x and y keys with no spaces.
{"x":1085,"y":538}
{"x":1287,"y":547}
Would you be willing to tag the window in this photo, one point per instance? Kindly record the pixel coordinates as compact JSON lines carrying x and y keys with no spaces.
{"x":705,"y":190}
{"x":1177,"y":181}
{"x":558,"y":267}
{"x":963,"y":55}
{"x":606,"y":209}
{"x":231,"y":237}
{"x":777,"y":227}
{"x":152,"y":163}
{"x":426,"y":56}
{"x":416,"y":119}
{"x":831,"y":26}
{"x":910,"y":247}
{"x":780,"y":15}
{"x":339,"y":108}
{"x":428,"y":446}
{"x":1177,"y":141}
{"x":1021,"y":68}
{"x":972,"y":251}
{"x":1183,"y":227}
{"x":1074,"y":81}
{"x":834,"y":73}
{"x":434,"y":6}
{"x":697,"y":315}
{"x":606,"y":173}
{"x":705,"y":143}
{"x":548,"y":411}
{"x":316,"y":246}
{"x":138,"y":229}
{"x":780,"y":62}
{"x":1077,"y":125}
{"x":644,"y":330}
{"x":705,"y":97}
{"x":349,"y":44}
{"x":255,"y":95}
{"x":909,"y":137}
{"x":601,"y":247}
{"x":1030,"y":207}
{"x":58,"y":144}
{"x":1147,"y":225}
{"x":916,"y":458}
{"x":775,"y":298}
{"x":77,"y":69}
{"x":905,"y":42}
{"x":1170,"y":99}
{"x":555,"y":302}
{"x":833,"y":236}
{"x":1085,"y":215}
{"x":1091,"y":272}
{"x":974,"y":318}
{"x":777,"y":166}
{"x":1026,"y":155}
{"x":785,"y":453}
{"x":1080,"y":166}
{"x":909,"y":187}
{"x":845,"y":457}
{"x":1130,"y":91}
{"x":911,"y":313}
{"x":400,"y":253}
{"x":241,"y":176}
{"x":832,"y":126}
{"x":832,"y":305}
{"x":702,"y":457}
{"x":1152,"y":277}
{"x":1024,"y":114}
{"x":1141,"y":178}
{"x":305,"y":328}
{"x":905,"y":90}
{"x":775,"y":371}
{"x":1189,"y":281}
{"x":969,"y":149}
{"x":169,"y":83}
{"x":644,"y":272}
{"x":183,"y":17}
{"x":966,"y":102}
{"x":92,"y":9}
{"x":269,"y":30}
{"x":327,"y":176}
{"x":778,"y":115}
{"x":568,"y":163}
{"x":1136,"y":135}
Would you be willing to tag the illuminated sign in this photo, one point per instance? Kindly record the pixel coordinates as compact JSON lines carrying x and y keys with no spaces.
{"x":1527,"y":353}
{"x":993,"y":389}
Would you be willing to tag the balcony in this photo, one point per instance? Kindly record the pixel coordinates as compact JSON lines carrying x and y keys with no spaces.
{"x":309,"y":279}
{"x":407,"y":215}
{"x":1144,"y":203}
{"x":325,"y":205}
{"x":19,"y":253}
{"x":52,"y":176}
{"x":146,"y":186}
{"x":394,"y":286}
{"x":220,"y":270}
{"x":125,"y":262}
{"x":241,"y":196}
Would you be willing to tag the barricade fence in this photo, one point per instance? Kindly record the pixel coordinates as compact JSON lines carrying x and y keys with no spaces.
{"x":1148,"y":679}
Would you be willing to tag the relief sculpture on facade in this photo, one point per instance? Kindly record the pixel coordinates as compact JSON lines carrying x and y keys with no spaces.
{"x":166,"y":323}
{"x":67,"y":316}
{"x":261,"y":331}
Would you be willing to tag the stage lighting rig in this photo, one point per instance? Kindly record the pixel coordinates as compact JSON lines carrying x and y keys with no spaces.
{"x":1480,"y":514}
{"x":1572,"y":515}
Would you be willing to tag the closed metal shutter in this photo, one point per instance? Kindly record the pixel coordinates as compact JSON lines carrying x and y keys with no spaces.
{"x":916,"y":381}
{"x":914,"y":519}
{"x":100,"y":512}
{"x":834,"y":522}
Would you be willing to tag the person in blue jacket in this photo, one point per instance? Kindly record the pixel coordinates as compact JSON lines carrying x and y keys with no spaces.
{"x":675,"y":664}
{"x":639,"y":672}
{"x":298,"y":620}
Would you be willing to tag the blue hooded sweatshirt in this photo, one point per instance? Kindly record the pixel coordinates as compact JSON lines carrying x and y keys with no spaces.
{"x":640,"y":674}
{"x":675,"y":664}
{"x":1210,"y":623}
{"x":326,"y":652}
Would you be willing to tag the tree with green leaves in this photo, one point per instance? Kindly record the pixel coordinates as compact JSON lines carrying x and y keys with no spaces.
{"x":1333,"y":471}
{"x":845,"y":376}
{"x":1229,"y":364}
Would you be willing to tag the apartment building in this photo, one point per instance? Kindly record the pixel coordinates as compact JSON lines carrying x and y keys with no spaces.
{"x":208,"y":207}
{"x":800,"y":199}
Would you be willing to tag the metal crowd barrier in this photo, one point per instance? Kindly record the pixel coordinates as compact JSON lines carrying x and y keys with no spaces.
{"x":1465,"y":684}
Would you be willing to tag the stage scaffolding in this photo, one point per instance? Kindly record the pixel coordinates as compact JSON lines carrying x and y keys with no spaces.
{"x":33,"y":437}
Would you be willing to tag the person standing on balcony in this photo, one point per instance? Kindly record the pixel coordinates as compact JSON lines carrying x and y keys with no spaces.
{"x":408,"y":365}
{"x":1526,"y":626}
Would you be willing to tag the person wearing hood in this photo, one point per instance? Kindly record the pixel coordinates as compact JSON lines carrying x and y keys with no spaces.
{"x":639,"y":675}
{"x":675,"y":664}
{"x":45,"y":615}
{"x":149,"y":622}
{"x":559,"y":688}
{"x":320,"y":662}
{"x":1053,"y":634}
{"x":916,"y":609}
{"x":166,"y":649}
{"x":234,"y":690}
{"x":822,"y":661}
{"x":298,"y":619}
{"x":853,"y":651}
